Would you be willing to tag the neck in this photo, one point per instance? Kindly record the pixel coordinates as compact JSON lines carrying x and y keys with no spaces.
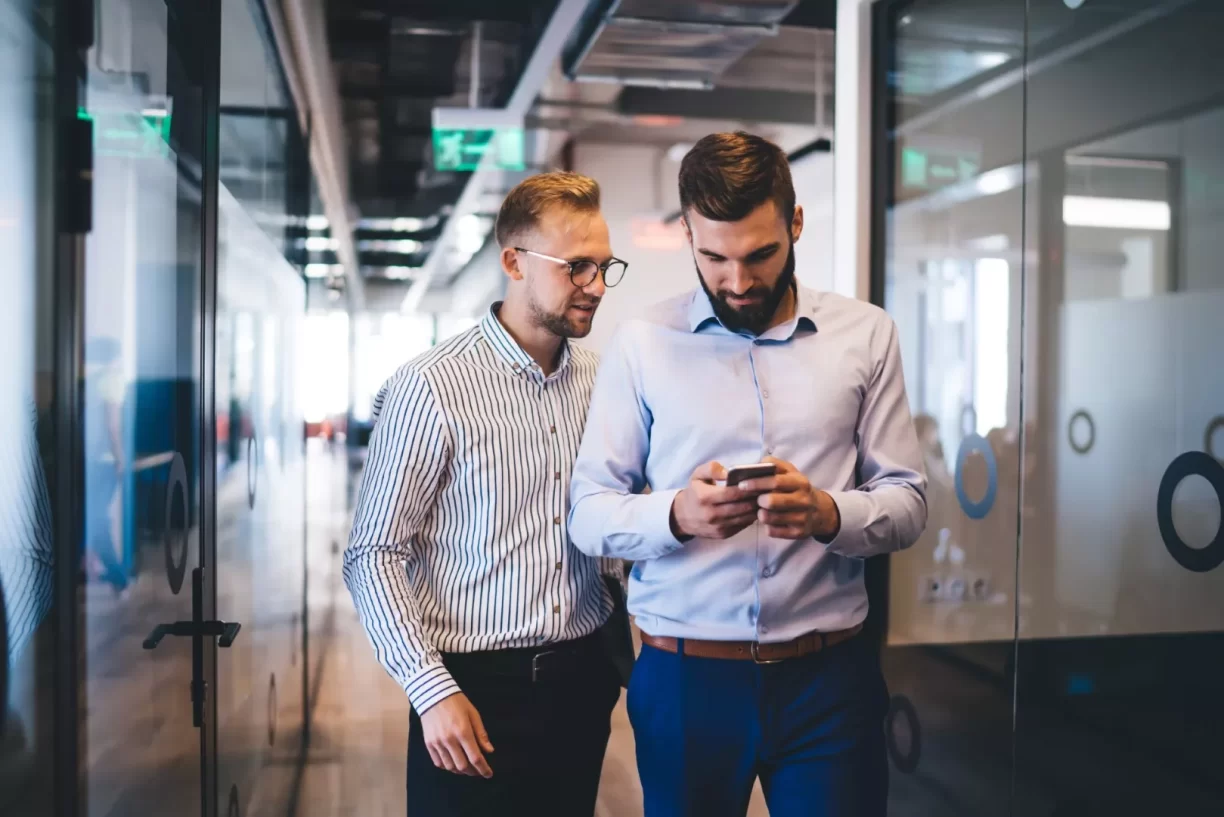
{"x":543,"y":346}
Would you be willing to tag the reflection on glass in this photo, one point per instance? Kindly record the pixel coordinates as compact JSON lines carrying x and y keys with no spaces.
{"x":140,"y":748}
{"x":26,"y":445}
{"x":263,"y":211}
{"x":1052,"y":257}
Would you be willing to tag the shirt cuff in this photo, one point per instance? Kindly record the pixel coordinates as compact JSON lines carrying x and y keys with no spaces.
{"x":429,"y":686}
{"x":854,"y":508}
{"x":656,"y":518}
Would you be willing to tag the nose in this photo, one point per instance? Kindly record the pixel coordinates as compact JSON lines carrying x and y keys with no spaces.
{"x":740,"y":280}
{"x":596,"y":288}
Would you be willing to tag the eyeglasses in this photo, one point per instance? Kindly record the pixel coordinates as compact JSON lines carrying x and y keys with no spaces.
{"x":582,"y":273}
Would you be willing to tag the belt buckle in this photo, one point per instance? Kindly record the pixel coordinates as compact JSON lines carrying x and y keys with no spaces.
{"x":535,"y":664}
{"x":755,"y":650}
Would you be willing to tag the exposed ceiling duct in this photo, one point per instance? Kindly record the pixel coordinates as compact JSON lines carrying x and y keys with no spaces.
{"x":670,"y":43}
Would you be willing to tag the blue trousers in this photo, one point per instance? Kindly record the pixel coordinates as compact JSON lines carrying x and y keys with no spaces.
{"x":812,"y":730}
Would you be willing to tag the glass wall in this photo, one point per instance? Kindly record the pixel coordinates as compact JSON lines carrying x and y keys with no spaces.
{"x":153,"y":178}
{"x":144,"y":501}
{"x":1050,"y":206}
{"x":263,"y":199}
{"x":27,"y":446}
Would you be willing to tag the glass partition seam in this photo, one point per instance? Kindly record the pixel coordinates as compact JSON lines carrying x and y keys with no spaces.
{"x":71,"y":180}
{"x":211,"y":37}
{"x":1021,"y":419}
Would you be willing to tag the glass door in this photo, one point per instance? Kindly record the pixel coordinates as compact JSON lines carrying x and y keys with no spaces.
{"x":146,"y":646}
{"x":29,"y":604}
{"x":260,"y":459}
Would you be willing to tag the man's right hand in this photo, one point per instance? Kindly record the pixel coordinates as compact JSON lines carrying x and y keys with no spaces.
{"x":711,"y":511}
{"x":455,"y":736}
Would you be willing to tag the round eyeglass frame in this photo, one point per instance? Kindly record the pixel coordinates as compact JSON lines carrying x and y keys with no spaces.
{"x":589,"y":275}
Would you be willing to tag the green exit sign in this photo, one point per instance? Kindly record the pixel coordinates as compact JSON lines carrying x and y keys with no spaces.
{"x":466,"y":148}
{"x":129,"y":134}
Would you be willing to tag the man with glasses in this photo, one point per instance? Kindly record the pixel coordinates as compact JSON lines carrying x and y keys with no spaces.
{"x":459,"y":561}
{"x":750,"y":597}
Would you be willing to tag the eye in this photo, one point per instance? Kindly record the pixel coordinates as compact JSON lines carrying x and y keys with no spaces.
{"x":763,"y":255}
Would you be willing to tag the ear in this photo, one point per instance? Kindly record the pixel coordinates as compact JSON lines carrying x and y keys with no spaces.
{"x":510,"y":264}
{"x":797,"y":224}
{"x":688,"y":233}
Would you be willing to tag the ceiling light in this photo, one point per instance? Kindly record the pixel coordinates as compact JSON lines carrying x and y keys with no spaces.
{"x":318,"y":243}
{"x":1116,"y":214}
{"x":316,"y":223}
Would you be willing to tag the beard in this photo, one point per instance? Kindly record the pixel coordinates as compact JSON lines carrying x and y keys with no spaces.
{"x":561,"y":323}
{"x":754,"y":318}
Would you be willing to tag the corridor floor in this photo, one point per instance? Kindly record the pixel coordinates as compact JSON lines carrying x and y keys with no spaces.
{"x":358,"y":747}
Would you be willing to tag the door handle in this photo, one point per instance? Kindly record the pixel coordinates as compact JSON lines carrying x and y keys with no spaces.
{"x":197,"y":629}
{"x":224,"y":631}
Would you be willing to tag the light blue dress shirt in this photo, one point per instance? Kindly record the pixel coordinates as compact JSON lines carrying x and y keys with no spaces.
{"x":677,"y":389}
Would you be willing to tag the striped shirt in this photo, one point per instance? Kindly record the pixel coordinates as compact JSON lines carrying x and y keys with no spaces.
{"x":27,"y":578}
{"x":459,"y":540}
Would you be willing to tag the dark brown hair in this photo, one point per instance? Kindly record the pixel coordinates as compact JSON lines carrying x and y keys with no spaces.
{"x":524,"y":205}
{"x":728,"y":175}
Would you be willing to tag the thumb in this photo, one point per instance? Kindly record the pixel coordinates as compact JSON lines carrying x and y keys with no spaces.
{"x":784,"y":467}
{"x":710,"y":472}
{"x":481,"y":734}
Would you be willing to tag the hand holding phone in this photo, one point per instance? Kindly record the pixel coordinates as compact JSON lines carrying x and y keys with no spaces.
{"x":712,"y":506}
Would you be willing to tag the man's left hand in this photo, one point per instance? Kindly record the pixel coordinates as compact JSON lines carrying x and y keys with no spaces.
{"x":791,"y":508}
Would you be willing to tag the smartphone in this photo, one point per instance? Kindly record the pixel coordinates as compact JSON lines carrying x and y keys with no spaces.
{"x":742,"y":473}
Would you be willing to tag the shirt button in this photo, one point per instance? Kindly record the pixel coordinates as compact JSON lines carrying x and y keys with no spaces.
{"x":764,"y":629}
{"x":765,"y":395}
{"x":767,"y":572}
{"x":557,"y":475}
{"x":556,"y":520}
{"x":558,"y":565}
{"x":552,"y":429}
{"x":556,"y":609}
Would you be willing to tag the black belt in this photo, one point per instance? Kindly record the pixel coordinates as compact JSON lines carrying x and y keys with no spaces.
{"x":542,"y":663}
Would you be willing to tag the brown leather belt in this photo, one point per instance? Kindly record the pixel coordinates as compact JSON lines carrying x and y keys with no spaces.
{"x":753,"y":650}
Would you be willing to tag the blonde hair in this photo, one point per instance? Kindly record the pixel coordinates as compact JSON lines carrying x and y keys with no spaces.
{"x":526,"y":203}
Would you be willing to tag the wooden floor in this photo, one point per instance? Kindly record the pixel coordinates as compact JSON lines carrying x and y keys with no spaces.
{"x":355,"y":767}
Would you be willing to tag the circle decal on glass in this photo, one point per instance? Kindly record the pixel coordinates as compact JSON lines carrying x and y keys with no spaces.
{"x":1192,"y":463}
{"x":1086,"y":446}
{"x":903,"y":734}
{"x":176,"y":568}
{"x":1216,"y":424}
{"x":976,"y":444}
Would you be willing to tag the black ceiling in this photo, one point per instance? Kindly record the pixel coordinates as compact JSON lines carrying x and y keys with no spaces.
{"x":394,"y":61}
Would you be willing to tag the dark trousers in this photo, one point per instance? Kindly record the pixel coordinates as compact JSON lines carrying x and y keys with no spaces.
{"x":811,"y":728}
{"x":549,"y":736}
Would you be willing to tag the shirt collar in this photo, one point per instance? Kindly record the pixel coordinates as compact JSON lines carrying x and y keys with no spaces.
{"x":507,"y":347}
{"x":701,"y":314}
